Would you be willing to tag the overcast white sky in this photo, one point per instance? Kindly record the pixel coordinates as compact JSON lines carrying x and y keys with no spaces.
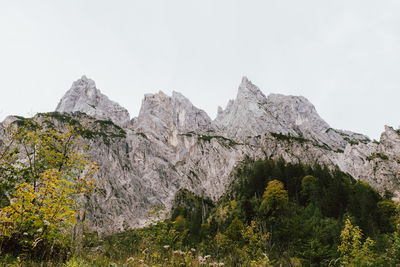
{"x":344,"y":56}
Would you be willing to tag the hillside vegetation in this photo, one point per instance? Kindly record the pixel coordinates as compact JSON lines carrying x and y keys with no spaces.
{"x":273,"y":213}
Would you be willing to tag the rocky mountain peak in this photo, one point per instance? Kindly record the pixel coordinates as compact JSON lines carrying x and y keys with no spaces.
{"x":249,"y":96}
{"x":161,"y":114}
{"x":296,"y":112}
{"x":249,"y":90}
{"x":85,"y":97}
{"x":390,"y":138}
{"x":84,"y":82}
{"x":248,"y":115}
{"x":254,"y":114}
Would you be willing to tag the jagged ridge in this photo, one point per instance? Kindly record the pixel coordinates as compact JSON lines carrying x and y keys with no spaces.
{"x":85,"y":97}
{"x":173,"y":145}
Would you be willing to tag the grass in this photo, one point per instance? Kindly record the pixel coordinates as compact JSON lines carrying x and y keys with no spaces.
{"x":208,"y":138}
{"x":142,"y":135}
{"x":93,"y":129}
{"x":377,"y":155}
{"x":289,"y":137}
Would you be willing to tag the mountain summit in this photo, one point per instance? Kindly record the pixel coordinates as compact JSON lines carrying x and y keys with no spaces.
{"x":253,"y":114}
{"x":86,"y":98}
{"x":163,"y":115}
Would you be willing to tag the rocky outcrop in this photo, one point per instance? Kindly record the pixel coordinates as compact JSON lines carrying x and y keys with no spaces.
{"x":165,"y":116}
{"x":377,"y":163}
{"x":173,"y":145}
{"x":86,"y":98}
{"x":252,"y":114}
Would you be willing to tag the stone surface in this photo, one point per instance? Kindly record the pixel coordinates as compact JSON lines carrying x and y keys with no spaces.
{"x":252,"y":114}
{"x":86,"y":98}
{"x":378,"y":163}
{"x":165,"y":116}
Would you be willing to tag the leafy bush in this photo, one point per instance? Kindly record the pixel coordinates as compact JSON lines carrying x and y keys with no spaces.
{"x":46,"y":178}
{"x":377,"y":155}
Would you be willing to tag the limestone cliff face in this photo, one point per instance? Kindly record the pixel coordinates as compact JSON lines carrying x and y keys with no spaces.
{"x":163,"y":116}
{"x":85,"y":97}
{"x":252,"y":114}
{"x":173,"y":145}
{"x":378,"y":163}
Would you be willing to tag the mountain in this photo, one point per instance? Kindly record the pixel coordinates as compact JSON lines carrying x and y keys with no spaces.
{"x":252,"y":113}
{"x":174,"y":145}
{"x":164,"y":116}
{"x":86,"y":98}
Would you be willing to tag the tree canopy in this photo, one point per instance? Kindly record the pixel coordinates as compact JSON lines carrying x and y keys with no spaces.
{"x":45,"y":175}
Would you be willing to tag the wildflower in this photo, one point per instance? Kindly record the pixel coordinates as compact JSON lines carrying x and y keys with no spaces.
{"x":130,"y":259}
{"x":166,"y":246}
{"x":37,"y":240}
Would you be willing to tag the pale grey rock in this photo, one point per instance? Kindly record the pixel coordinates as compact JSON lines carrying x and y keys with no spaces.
{"x":252,"y":114}
{"x":8,"y":120}
{"x":134,"y":178}
{"x":376,"y":163}
{"x":164,"y":117}
{"x":86,"y":98}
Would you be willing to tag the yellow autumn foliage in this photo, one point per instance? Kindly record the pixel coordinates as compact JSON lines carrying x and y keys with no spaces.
{"x":52,"y":175}
{"x":353,"y":251}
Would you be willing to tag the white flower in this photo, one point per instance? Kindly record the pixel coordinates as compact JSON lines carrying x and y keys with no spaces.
{"x":166,"y":247}
{"x":130,"y":259}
